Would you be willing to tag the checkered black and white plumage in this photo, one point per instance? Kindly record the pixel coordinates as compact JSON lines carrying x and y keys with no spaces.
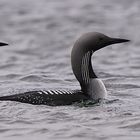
{"x":47,"y":97}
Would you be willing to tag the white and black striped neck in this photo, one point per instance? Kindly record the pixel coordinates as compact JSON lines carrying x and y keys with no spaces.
{"x":86,"y":68}
{"x":82,"y":67}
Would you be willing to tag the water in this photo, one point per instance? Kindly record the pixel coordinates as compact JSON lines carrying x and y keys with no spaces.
{"x":41,"y":34}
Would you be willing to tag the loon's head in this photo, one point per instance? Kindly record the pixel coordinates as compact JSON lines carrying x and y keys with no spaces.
{"x":94,"y":41}
{"x":81,"y":61}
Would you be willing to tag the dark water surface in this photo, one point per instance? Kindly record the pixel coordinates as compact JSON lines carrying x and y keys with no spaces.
{"x":41,"y":34}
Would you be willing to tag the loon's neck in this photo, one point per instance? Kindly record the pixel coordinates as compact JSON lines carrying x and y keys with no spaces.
{"x":82,"y":66}
{"x":83,"y":70}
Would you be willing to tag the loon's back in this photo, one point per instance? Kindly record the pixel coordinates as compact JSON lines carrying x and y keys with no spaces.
{"x":48,"y":97}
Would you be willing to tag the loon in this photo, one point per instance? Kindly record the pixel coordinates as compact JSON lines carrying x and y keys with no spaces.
{"x":91,"y":86}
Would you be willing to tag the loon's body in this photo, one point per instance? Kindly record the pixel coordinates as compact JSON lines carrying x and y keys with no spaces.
{"x":48,"y":97}
{"x":91,"y":86}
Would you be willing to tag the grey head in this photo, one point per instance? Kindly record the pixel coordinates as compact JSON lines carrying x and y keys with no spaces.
{"x":81,"y":54}
{"x":94,"y":41}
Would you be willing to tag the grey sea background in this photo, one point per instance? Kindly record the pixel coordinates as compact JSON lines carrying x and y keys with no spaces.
{"x":41,"y":34}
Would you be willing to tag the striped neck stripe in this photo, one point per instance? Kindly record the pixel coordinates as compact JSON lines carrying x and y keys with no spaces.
{"x":85,"y":67}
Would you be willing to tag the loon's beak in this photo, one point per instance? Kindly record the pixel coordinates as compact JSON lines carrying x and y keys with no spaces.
{"x":3,"y":44}
{"x":117,"y":40}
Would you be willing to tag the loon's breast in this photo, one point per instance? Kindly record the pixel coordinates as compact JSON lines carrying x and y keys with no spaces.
{"x":48,"y":97}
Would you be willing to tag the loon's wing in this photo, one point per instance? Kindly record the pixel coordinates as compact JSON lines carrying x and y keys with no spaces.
{"x":48,"y":97}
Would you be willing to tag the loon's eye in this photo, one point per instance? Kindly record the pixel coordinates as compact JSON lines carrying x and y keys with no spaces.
{"x":100,"y":39}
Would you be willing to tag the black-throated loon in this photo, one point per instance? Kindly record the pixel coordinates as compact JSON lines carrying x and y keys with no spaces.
{"x":91,"y":86}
